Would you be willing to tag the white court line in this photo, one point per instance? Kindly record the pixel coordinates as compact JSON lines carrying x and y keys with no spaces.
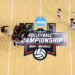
{"x":8,"y":72}
{"x":40,"y":20}
{"x":70,"y":41}
{"x":39,"y":67}
{"x":40,"y":8}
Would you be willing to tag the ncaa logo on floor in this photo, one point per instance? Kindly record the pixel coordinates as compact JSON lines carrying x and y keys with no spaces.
{"x":40,"y":21}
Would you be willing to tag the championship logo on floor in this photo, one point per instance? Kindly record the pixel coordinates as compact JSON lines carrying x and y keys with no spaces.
{"x":41,"y":42}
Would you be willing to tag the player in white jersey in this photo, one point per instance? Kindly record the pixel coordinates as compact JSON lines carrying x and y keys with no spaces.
{"x":4,"y":30}
{"x":71,"y":22}
{"x":58,"y":15}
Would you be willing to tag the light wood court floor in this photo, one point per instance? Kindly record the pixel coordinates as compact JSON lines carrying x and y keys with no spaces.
{"x":27,"y":11}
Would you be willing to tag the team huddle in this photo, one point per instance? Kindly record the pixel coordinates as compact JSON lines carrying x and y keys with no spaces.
{"x":20,"y":32}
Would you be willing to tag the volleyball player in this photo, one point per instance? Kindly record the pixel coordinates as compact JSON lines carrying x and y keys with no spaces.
{"x":4,"y":30}
{"x":58,"y":16}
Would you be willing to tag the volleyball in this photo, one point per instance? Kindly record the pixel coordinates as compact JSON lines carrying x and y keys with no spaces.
{"x":40,"y":54}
